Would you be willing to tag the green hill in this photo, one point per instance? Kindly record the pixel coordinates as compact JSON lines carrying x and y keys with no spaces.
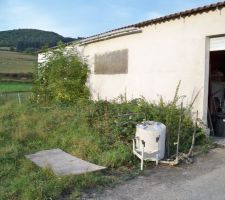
{"x":30,"y":40}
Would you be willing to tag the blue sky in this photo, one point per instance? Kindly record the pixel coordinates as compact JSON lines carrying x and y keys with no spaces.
{"x":86,"y":17}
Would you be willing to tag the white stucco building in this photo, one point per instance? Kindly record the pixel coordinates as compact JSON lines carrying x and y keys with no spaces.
{"x":150,"y":58}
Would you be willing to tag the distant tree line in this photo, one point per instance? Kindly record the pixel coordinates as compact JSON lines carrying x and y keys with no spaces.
{"x":31,"y":40}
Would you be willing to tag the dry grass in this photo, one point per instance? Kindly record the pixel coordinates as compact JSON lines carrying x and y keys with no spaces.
{"x":14,"y":62}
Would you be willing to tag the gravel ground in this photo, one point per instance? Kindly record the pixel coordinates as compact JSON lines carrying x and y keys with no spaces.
{"x":205,"y":180}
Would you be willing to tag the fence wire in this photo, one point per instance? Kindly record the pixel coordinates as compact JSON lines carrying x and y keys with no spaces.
{"x":19,"y":96}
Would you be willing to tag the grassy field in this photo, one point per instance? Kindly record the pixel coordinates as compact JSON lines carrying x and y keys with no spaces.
{"x":14,"y":62}
{"x":14,"y":87}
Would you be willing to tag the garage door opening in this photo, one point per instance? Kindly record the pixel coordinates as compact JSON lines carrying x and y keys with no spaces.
{"x":216,"y":93}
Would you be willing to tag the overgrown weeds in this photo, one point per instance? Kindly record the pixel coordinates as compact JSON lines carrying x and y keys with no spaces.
{"x":99,"y":132}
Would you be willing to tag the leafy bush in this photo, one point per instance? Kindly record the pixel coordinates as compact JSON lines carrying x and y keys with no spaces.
{"x":62,"y":78}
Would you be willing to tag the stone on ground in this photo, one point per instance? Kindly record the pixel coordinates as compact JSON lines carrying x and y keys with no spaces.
{"x":219,"y":140}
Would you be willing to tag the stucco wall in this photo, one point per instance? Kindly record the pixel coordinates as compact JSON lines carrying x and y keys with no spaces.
{"x":159,"y":57}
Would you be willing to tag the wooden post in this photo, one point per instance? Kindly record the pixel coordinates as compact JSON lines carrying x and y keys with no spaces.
{"x":19,"y":99}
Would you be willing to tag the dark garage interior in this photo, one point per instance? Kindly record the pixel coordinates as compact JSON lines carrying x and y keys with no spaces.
{"x":216,"y":98}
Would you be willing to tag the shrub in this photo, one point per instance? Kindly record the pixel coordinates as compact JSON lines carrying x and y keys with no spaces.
{"x":62,"y":78}
{"x":118,"y":120}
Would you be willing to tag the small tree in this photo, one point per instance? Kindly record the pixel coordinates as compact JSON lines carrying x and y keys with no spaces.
{"x":62,"y":78}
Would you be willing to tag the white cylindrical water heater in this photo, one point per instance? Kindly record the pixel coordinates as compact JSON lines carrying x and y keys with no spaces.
{"x":154,"y":136}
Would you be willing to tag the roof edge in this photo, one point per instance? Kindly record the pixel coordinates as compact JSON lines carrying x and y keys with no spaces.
{"x":110,"y":35}
{"x":165,"y":18}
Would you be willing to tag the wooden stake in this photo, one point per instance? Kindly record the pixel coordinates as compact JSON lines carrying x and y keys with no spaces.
{"x":193,"y":137}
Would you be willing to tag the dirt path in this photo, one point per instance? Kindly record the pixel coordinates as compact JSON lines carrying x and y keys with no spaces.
{"x":205,"y":180}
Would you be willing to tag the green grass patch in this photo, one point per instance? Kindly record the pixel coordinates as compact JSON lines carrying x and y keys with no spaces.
{"x":14,"y":86}
{"x":99,"y":132}
{"x":15,"y":62}
{"x":29,"y":128}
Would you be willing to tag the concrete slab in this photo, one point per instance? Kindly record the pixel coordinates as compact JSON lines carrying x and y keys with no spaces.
{"x":219,"y":140}
{"x":62,"y":163}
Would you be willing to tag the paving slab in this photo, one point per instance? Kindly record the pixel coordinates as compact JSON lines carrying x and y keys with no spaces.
{"x":62,"y":163}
